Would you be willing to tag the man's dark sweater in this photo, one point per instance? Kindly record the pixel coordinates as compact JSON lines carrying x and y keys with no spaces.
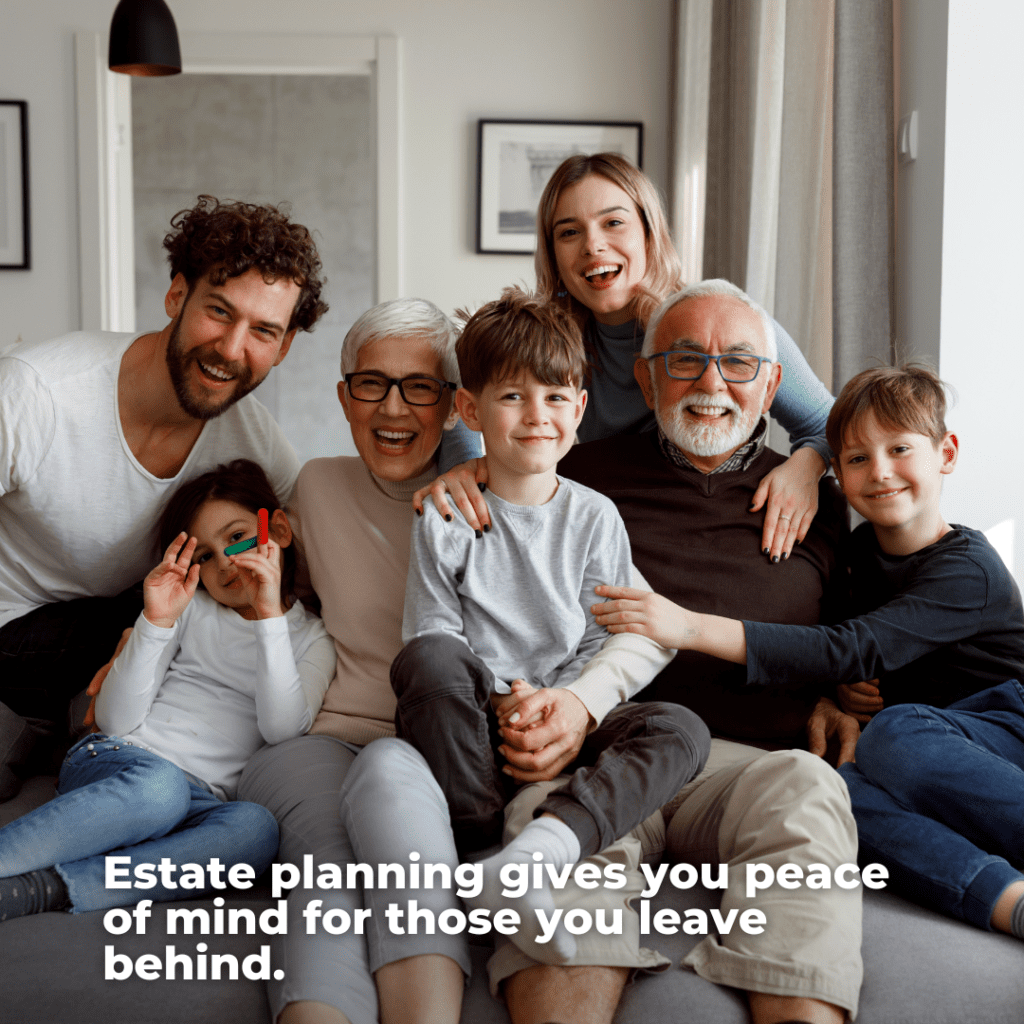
{"x":696,"y":543}
{"x":933,"y":627}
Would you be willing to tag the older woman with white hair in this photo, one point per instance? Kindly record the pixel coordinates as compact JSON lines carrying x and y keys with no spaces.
{"x":353,"y":519}
{"x":349,"y":792}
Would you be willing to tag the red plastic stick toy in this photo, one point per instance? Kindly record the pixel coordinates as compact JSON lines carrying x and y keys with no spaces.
{"x":262,"y":526}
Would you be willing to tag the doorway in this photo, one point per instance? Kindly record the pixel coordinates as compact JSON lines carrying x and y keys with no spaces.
{"x":107,"y":236}
{"x":261,"y":139}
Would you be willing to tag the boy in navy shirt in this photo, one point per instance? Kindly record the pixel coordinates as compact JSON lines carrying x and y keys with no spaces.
{"x":936,"y":789}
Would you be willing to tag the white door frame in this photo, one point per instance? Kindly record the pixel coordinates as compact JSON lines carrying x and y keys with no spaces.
{"x":105,"y":214}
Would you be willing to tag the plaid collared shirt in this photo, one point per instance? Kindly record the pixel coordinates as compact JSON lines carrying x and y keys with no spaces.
{"x":740,"y":459}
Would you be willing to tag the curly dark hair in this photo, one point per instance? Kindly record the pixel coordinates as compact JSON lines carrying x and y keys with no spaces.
{"x":222,"y":240}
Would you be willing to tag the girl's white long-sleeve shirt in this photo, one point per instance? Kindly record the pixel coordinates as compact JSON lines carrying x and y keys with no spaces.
{"x":208,"y":692}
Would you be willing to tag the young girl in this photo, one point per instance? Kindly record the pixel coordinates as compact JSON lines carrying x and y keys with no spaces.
{"x":205,"y":680}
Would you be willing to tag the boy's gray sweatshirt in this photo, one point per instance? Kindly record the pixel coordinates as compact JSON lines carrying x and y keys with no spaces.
{"x":520,"y":596}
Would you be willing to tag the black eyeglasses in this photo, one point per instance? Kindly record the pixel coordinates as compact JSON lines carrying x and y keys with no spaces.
{"x":735,"y":367}
{"x":370,"y":386}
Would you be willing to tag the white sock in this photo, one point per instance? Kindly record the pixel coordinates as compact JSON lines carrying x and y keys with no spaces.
{"x":1017,"y":918}
{"x":547,"y":840}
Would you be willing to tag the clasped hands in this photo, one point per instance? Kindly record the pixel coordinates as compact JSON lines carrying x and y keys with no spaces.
{"x":542,"y":730}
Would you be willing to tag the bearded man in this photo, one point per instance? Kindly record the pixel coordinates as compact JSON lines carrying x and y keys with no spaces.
{"x":708,"y":369}
{"x":97,"y":430}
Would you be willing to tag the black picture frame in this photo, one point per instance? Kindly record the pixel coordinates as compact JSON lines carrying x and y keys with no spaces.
{"x":515,"y":159}
{"x":15,"y":236}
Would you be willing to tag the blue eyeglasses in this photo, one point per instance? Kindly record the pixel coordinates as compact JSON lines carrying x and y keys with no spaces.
{"x":734,"y":367}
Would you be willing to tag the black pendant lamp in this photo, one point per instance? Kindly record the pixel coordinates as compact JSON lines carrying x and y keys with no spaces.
{"x":144,"y":39}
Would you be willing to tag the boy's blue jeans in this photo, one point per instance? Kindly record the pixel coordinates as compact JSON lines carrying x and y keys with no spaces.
{"x":115,"y":798}
{"x":938,"y":794}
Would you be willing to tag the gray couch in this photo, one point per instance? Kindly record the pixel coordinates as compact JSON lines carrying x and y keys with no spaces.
{"x":919,"y":968}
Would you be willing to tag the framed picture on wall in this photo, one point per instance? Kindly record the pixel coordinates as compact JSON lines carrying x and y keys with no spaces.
{"x":14,"y":235}
{"x":515,"y":159}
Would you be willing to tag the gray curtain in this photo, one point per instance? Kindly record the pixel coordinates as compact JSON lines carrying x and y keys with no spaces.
{"x":730,"y":140}
{"x":863,"y":261}
{"x":769,"y":162}
{"x":793,"y":165}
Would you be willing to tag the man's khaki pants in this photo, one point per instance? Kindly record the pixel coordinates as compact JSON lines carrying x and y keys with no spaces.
{"x":747,"y":806}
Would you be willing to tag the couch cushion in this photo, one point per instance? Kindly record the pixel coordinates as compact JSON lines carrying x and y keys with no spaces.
{"x":919,"y":967}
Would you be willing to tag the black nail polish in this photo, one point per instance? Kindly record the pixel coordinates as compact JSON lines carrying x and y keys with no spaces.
{"x":447,"y":517}
{"x":775,"y":559}
{"x":478,"y":534}
{"x":419,"y":511}
{"x":482,"y":487}
{"x":764,"y":551}
{"x":785,"y":555}
{"x":487,"y":528}
{"x":751,"y":509}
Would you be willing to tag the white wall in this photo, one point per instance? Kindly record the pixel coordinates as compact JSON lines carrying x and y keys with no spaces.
{"x":982,"y":327}
{"x":463,"y":59}
{"x":959,"y":261}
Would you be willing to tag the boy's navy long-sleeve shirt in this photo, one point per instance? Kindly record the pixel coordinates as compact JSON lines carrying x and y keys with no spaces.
{"x":932,"y":627}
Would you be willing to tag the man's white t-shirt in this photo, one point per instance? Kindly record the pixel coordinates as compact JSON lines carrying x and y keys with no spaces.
{"x":78,"y":513}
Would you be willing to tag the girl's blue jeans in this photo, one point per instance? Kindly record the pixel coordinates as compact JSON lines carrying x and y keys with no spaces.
{"x":938,"y":794}
{"x":115,"y":798}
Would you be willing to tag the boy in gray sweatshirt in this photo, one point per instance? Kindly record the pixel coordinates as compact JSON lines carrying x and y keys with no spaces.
{"x":489,"y":620}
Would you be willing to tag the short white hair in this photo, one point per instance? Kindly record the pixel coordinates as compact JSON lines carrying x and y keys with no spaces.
{"x":403,"y":318}
{"x":715,"y":286}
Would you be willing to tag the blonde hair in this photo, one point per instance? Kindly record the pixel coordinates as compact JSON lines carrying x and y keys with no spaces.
{"x":664,"y":270}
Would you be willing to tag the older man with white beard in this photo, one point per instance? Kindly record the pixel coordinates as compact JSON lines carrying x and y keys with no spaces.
{"x":708,"y":369}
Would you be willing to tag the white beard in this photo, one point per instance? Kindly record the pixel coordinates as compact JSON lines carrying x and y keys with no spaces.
{"x":706,"y":440}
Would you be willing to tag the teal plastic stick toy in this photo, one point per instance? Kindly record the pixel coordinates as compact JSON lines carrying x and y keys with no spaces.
{"x":262,"y":535}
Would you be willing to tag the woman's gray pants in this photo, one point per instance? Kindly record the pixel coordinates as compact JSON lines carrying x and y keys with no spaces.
{"x":344,"y":804}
